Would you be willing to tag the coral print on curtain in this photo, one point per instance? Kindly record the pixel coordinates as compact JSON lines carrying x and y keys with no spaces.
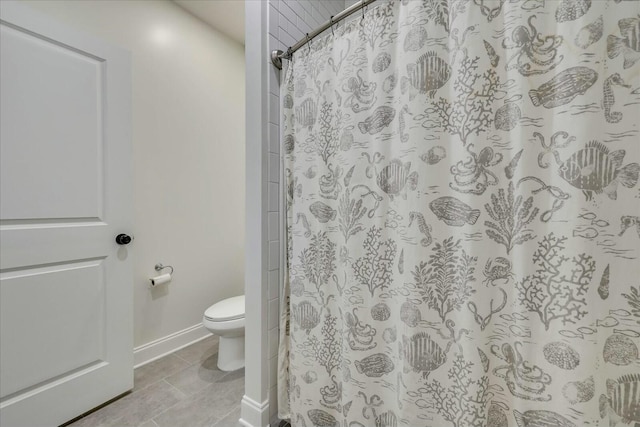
{"x":463,"y":217}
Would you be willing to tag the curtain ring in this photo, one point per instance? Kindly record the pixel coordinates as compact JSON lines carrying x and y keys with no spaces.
{"x":331,"y":20}
{"x":363,"y":6}
{"x":290,"y":56}
{"x":309,"y":42}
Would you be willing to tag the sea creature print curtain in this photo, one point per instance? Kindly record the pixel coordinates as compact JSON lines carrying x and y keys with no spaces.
{"x":463,"y":217}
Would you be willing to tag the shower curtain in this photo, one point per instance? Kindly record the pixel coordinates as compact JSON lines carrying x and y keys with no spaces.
{"x":463,"y":217}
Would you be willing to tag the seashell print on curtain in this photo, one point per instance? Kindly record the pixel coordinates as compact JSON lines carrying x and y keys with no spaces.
{"x":463,"y":217}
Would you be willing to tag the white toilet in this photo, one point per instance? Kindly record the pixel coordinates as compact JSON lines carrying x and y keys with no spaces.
{"x":226,"y":319}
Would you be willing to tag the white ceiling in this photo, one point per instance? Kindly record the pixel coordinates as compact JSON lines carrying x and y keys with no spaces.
{"x":227,"y":16}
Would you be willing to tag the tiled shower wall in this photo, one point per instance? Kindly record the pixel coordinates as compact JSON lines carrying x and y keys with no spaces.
{"x":289,"y":21}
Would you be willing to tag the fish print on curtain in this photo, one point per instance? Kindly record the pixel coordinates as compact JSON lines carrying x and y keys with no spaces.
{"x":463,"y":217}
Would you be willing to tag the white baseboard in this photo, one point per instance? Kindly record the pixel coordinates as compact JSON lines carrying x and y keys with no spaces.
{"x":161,"y":347}
{"x":254,"y":414}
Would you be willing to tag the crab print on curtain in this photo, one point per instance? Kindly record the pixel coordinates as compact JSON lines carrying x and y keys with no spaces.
{"x":463,"y":217}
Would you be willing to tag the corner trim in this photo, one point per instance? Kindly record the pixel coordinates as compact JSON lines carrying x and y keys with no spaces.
{"x":156,"y":349}
{"x":254,"y":414}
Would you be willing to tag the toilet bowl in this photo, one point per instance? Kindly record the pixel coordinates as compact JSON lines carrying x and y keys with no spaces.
{"x":226,"y":319}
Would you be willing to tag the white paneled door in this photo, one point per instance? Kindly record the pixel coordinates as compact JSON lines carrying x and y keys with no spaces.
{"x":66,"y":322}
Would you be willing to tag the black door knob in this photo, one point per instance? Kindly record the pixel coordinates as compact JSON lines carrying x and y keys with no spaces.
{"x":123,"y":239}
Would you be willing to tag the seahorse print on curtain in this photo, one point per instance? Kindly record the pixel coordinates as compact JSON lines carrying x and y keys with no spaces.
{"x":463,"y":217}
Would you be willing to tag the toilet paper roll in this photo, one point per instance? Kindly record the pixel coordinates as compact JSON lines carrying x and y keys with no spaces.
{"x":158,"y":280}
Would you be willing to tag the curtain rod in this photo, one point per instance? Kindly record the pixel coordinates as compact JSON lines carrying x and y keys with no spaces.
{"x":278,"y":55}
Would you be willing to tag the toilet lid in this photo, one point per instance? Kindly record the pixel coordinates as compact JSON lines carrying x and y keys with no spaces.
{"x":228,"y":309}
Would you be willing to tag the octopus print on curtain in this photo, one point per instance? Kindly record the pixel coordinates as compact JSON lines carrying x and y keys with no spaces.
{"x":463,"y":217}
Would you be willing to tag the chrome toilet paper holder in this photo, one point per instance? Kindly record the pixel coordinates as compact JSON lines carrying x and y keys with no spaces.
{"x":159,"y":267}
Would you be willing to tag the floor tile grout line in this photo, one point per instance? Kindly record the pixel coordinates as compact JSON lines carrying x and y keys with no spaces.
{"x":160,"y":379}
{"x":165,"y":409}
{"x":153,"y":418}
{"x":176,"y":388}
{"x":165,"y":378}
{"x":224,"y":376}
{"x":229,"y":413}
{"x":181,"y":395}
{"x":153,"y":383}
{"x":134,"y":390}
{"x":215,"y":424}
{"x":228,"y":373}
{"x":225,"y":416}
{"x":171,"y":407}
{"x":191,"y":363}
{"x":162,"y":412}
{"x":182,"y":358}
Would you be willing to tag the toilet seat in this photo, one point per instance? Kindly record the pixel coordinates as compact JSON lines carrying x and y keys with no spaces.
{"x":225,"y":310}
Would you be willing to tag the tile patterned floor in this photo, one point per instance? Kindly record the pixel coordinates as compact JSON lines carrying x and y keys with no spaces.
{"x":184,"y":388}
